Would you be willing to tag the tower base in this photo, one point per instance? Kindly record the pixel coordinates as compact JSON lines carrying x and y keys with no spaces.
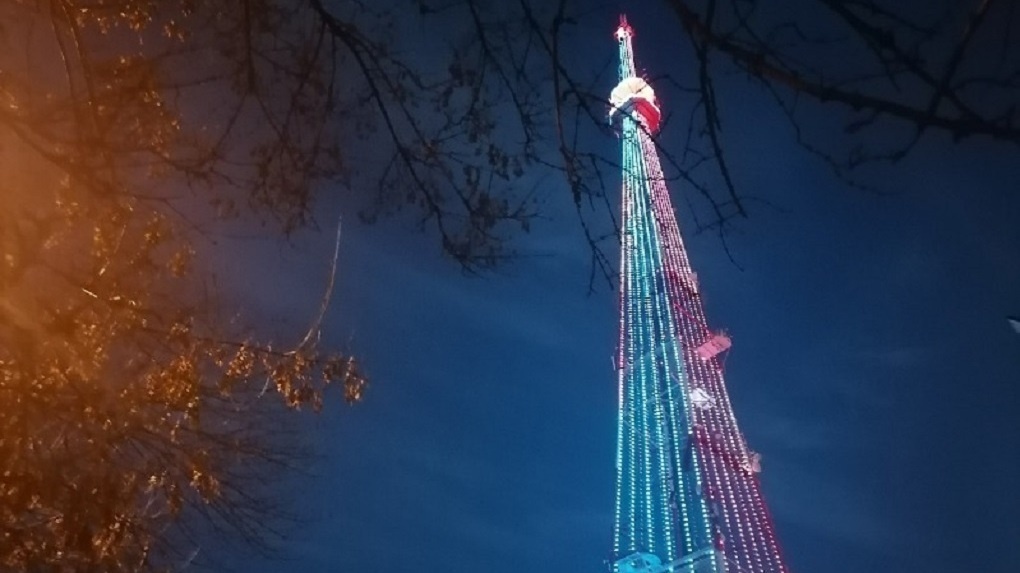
{"x":708,"y":560}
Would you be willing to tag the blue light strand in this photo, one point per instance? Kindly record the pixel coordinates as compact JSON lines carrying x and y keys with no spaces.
{"x":632,"y":420}
{"x":653,"y":322}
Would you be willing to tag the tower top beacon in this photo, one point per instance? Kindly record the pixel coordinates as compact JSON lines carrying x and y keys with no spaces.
{"x":624,"y":30}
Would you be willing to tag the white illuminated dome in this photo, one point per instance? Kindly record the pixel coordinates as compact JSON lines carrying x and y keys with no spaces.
{"x":629,"y":88}
{"x":633,"y":95}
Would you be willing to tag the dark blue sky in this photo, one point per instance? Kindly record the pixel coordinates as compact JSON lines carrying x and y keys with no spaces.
{"x":872,"y":367}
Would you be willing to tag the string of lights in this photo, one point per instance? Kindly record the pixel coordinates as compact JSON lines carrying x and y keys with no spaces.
{"x":688,"y":496}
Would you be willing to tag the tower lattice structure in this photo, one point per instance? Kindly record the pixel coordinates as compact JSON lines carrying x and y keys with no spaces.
{"x":688,"y":497}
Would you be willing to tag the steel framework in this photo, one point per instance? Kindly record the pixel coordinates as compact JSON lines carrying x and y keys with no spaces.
{"x":687,"y":490}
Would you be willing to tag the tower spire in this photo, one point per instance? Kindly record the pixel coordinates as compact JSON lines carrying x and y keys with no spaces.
{"x":624,"y":29}
{"x":632,"y":96}
{"x":687,"y":492}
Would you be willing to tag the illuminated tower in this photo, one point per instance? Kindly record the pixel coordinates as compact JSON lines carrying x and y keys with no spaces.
{"x":687,"y":491}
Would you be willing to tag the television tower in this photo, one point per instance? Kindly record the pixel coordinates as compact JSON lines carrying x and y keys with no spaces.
{"x":687,"y":492}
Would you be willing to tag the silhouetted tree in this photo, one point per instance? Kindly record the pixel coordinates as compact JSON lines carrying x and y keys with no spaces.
{"x":135,"y":415}
{"x":891,"y":68}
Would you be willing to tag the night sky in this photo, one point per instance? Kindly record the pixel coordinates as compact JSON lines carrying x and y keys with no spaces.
{"x":872,"y":366}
